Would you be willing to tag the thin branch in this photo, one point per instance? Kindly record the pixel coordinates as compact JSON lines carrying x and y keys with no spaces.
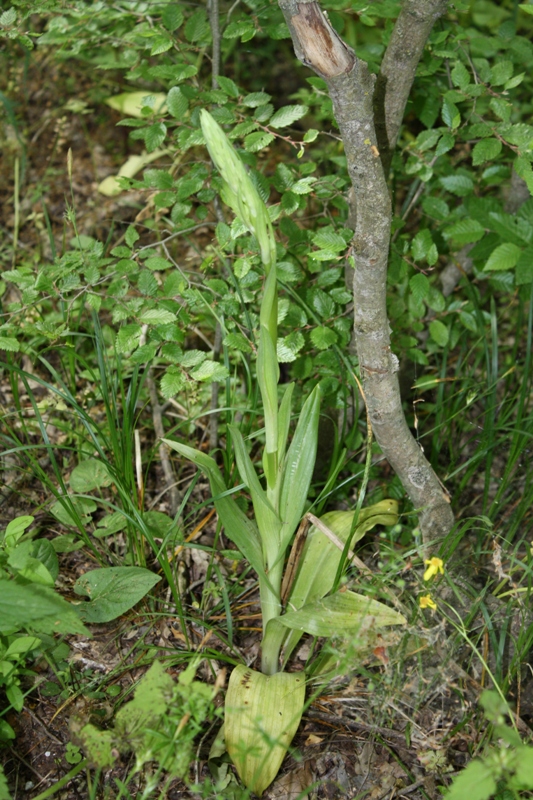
{"x":398,"y":68}
{"x":351,"y":88}
{"x":214,"y":22}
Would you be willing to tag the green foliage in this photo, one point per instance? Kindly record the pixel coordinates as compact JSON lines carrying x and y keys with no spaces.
{"x":160,"y":724}
{"x":505,"y":767}
{"x":112,"y":591}
{"x":138,"y":304}
{"x":29,"y":610}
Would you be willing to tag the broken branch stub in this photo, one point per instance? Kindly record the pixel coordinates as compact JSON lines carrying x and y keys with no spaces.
{"x":353,"y":91}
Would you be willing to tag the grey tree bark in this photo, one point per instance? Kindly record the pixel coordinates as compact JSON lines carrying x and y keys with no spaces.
{"x":369,"y":112}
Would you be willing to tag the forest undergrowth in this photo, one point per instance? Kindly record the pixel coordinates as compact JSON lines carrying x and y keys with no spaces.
{"x":166,"y":402}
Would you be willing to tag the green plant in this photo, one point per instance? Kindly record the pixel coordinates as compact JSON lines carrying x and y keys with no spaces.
{"x":505,"y":769}
{"x":29,"y":605}
{"x":160,"y":724}
{"x":263,"y":710}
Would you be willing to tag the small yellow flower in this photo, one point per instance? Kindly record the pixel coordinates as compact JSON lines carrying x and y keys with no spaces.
{"x":435,"y":565}
{"x":426,"y":602}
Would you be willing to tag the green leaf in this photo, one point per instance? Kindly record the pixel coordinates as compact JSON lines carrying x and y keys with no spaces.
{"x":486,"y":150}
{"x":321,"y":557}
{"x":501,"y":72}
{"x":74,"y":512}
{"x":524,"y":766}
{"x":15,"y":697}
{"x":257,"y":141}
{"x":242,"y":27}
{"x":436,"y":207}
{"x":465,"y":231}
{"x":423,"y":247}
{"x":228,"y":86}
{"x":523,"y":168}
{"x":98,"y":746}
{"x":172,"y":16}
{"x":239,"y":528}
{"x":112,"y":591}
{"x":511,"y":228}
{"x":160,"y":44}
{"x":22,"y":561}
{"x":37,"y":608}
{"x":419,"y":286}
{"x":268,"y":521}
{"x":288,"y":347}
{"x":460,"y":185}
{"x":21,"y":646}
{"x":298,"y":466}
{"x":197,"y":27}
{"x":172,"y":382}
{"x":132,"y":103}
{"x":321,"y":302}
{"x":284,"y":419}
{"x":157,"y":316}
{"x":130,"y":237}
{"x":501,"y":108}
{"x":237,"y":341}
{"x":451,"y":115}
{"x":287,"y":115}
{"x":304,"y":186}
{"x":156,"y":263}
{"x":44,"y":552}
{"x":155,"y":135}
{"x":15,"y":530}
{"x":262,"y":714}
{"x":323,"y":338}
{"x":88,"y":475}
{"x":256,"y":99}
{"x":9,"y":344}
{"x":447,"y":141}
{"x":177,"y":102}
{"x":503,"y":257}
{"x":110,"y":524}
{"x":460,"y":75}
{"x":128,"y":338}
{"x":524,"y":267}
{"x":210,"y":371}
{"x":439,"y":332}
{"x":341,"y":614}
{"x":475,"y":782}
{"x":8,"y":18}
{"x":328,"y":239}
{"x":427,"y":139}
{"x":4,"y":789}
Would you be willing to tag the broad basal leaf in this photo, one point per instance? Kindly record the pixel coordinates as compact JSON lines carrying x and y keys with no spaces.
{"x":342,"y":613}
{"x":321,"y":557}
{"x":262,"y":714}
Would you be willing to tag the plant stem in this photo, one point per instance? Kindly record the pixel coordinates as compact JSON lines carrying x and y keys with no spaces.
{"x":62,"y":782}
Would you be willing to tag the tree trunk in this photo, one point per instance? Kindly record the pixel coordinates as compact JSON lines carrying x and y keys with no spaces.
{"x":369,"y":112}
